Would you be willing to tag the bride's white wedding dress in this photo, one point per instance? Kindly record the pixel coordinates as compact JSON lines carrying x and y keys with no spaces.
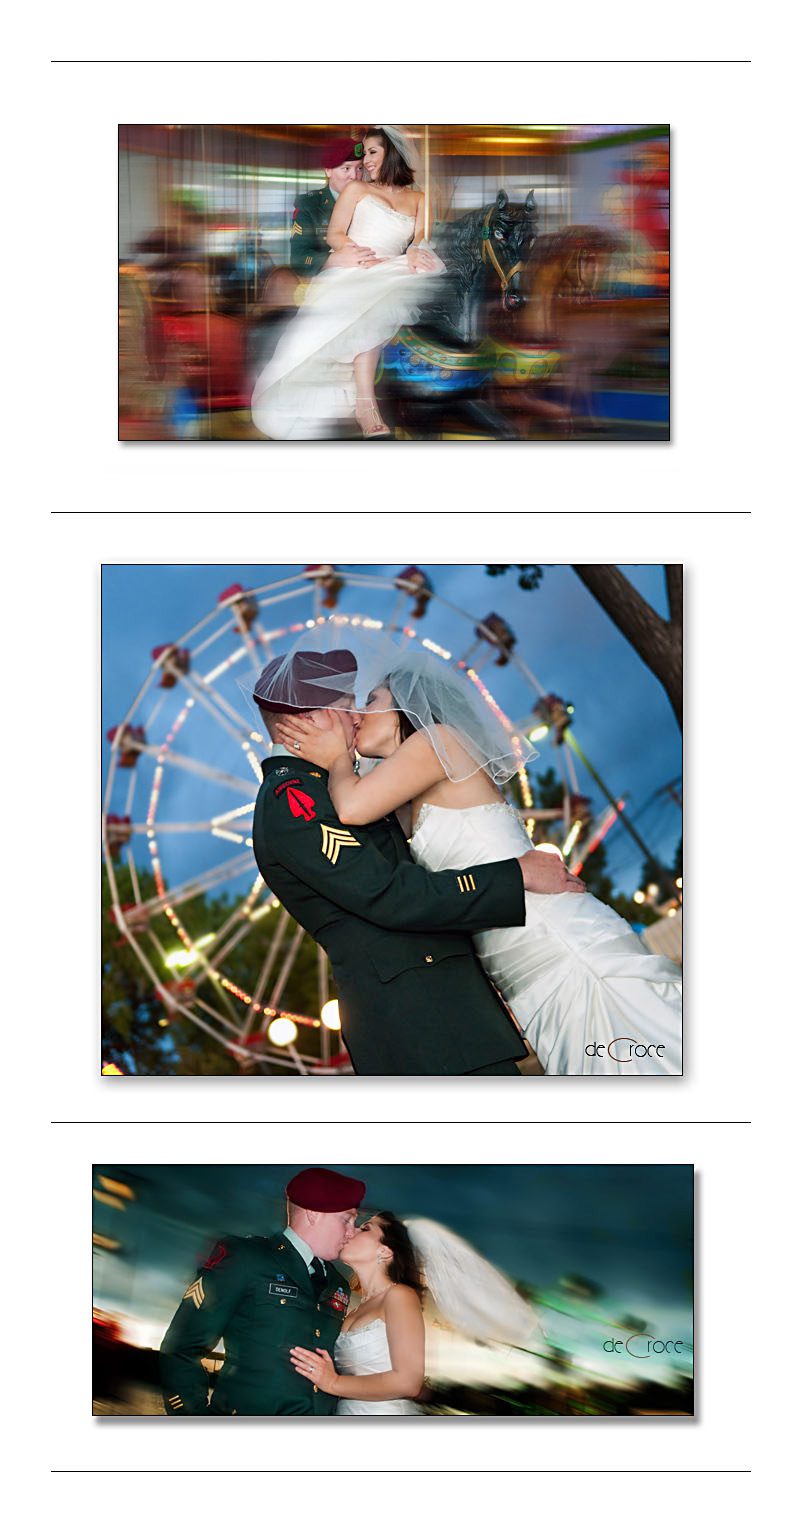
{"x":308,"y":385}
{"x":575,"y":975}
{"x":366,"y":1351}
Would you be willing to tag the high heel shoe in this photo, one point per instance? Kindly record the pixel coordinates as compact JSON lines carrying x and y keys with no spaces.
{"x":375,"y":427}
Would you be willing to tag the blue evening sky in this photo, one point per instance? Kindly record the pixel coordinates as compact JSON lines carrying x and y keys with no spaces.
{"x":622,"y":720}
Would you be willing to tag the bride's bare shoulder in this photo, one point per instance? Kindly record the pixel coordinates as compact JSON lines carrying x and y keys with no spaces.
{"x":402,"y":1298}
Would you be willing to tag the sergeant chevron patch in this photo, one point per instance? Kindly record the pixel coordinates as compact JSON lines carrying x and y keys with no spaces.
{"x":333,"y":840}
{"x":196,"y":1293}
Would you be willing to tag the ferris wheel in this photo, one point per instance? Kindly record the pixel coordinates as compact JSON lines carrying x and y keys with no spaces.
{"x":187,"y":743}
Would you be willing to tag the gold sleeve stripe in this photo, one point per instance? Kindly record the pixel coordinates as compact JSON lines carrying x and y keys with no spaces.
{"x":196,"y":1293}
{"x":334,"y":840}
{"x":466,"y":883}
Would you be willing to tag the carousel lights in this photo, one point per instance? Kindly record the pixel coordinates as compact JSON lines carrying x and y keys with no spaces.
{"x":638,"y":897}
{"x":235,"y":812}
{"x":536,"y":734}
{"x":330,"y":1016}
{"x":569,"y":842}
{"x":525,"y":788}
{"x":282,"y":1031}
{"x":679,"y":882}
{"x":441,"y":652}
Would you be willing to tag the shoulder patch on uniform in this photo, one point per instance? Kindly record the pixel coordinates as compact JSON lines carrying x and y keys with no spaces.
{"x":334,"y":840}
{"x":300,"y":804}
{"x":219,"y":1253}
{"x":284,"y":786}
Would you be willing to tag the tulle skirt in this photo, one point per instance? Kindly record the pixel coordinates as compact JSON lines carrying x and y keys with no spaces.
{"x":308,"y":385}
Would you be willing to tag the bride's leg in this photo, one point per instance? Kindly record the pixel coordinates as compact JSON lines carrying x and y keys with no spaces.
{"x":368,"y":416}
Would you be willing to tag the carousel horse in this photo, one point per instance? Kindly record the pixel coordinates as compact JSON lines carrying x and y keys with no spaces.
{"x":517,"y":311}
{"x":441,"y":368}
{"x":568,"y":311}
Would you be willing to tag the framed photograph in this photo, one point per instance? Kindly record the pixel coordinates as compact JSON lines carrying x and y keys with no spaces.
{"x":449,"y":281}
{"x":392,"y":821}
{"x":394,"y":1290}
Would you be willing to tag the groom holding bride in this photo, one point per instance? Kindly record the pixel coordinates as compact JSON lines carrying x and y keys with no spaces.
{"x":412,"y":996}
{"x":296,"y":1345}
{"x":455,"y":947}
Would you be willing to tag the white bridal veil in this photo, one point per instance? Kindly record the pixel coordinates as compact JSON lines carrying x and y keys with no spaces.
{"x":470,"y":1293}
{"x":401,"y":142}
{"x":341,"y":666}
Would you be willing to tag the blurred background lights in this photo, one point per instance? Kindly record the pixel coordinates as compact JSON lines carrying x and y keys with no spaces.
{"x":330,"y":1016}
{"x":282,"y":1032}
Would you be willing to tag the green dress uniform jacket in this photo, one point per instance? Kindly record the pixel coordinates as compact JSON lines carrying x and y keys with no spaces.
{"x":308,"y":251}
{"x":413,"y":997}
{"x":256,"y":1294}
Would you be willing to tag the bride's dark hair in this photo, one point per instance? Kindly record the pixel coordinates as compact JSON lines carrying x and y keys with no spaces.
{"x":404,"y":1267}
{"x":395,"y":170}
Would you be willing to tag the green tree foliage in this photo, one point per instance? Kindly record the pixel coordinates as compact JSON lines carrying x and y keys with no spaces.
{"x":138,"y":1034}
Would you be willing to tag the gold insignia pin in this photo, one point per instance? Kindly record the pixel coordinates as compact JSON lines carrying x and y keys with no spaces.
{"x":196,"y":1293}
{"x":334,"y":840}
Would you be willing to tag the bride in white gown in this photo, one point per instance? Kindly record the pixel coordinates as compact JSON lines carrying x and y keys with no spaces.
{"x":323,"y":369}
{"x":378,"y":1367}
{"x":587,"y":994}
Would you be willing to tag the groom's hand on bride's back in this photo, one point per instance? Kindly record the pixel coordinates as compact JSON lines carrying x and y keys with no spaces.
{"x":545,"y":872}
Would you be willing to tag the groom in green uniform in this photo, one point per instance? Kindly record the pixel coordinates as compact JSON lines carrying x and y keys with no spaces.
{"x":265,"y":1297}
{"x":413,"y":998}
{"x":341,"y":162}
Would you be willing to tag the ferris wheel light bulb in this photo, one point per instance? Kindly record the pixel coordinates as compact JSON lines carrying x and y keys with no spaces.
{"x":329,"y":1016}
{"x":282,"y":1032}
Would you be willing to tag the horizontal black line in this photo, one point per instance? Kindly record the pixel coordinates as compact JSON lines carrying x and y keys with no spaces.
{"x":400,"y":61}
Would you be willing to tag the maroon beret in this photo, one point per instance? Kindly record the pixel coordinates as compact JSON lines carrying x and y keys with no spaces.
{"x":302,"y":686}
{"x":337,"y":151}
{"x":328,"y":1192}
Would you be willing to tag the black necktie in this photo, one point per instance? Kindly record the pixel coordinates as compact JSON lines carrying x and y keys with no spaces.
{"x":318,"y":1276}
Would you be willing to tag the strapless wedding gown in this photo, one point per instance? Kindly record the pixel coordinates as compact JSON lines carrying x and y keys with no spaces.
{"x":366,"y":1351}
{"x":308,"y":385}
{"x":575,"y":976}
